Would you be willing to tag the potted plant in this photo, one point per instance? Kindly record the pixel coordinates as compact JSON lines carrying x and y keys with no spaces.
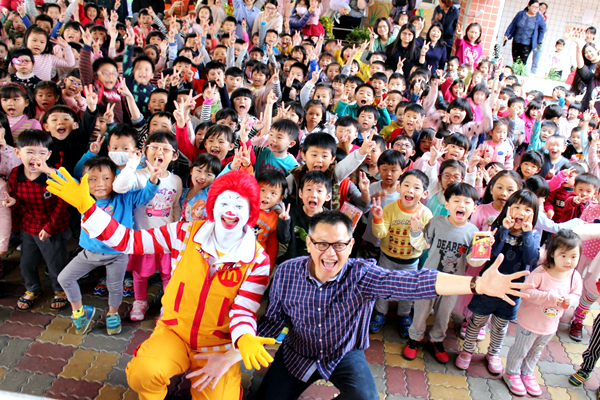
{"x":358,"y":36}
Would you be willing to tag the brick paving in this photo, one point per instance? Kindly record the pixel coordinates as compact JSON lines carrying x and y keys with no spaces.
{"x":40,"y":354}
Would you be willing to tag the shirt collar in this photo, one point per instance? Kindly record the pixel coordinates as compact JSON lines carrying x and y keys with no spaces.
{"x":40,"y":180}
{"x":244,"y":253}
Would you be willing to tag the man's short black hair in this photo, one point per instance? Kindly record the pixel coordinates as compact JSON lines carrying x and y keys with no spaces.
{"x":34,"y":137}
{"x":330,"y":218}
{"x":461,"y":189}
{"x":391,"y":157}
{"x":274,"y":178}
{"x":322,"y":140}
{"x":588,"y":178}
{"x":419,"y":174}
{"x":316,"y":177}
{"x":99,"y":163}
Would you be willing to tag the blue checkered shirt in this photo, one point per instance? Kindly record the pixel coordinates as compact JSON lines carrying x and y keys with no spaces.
{"x":328,"y":320}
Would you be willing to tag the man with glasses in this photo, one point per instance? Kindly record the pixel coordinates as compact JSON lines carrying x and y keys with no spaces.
{"x":326,"y":300}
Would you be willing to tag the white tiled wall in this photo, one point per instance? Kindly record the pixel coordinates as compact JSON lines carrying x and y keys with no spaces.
{"x":560,"y":14}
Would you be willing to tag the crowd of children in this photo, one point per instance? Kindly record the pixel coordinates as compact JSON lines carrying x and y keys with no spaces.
{"x":153,"y":111}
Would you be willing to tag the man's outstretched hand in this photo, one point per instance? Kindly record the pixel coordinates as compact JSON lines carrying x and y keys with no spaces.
{"x":67,"y":188}
{"x":253,"y":351}
{"x":495,"y":284}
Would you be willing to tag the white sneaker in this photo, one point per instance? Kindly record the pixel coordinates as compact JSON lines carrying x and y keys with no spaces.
{"x":139,"y":310}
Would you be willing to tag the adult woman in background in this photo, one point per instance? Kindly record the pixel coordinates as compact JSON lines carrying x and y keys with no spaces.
{"x":403,"y":53}
{"x":271,"y":16}
{"x":537,"y":52}
{"x":588,"y":72}
{"x":526,"y":31}
{"x":433,"y":52}
{"x":446,"y":14}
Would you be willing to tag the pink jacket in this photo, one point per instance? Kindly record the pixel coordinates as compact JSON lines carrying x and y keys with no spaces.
{"x":468,"y":53}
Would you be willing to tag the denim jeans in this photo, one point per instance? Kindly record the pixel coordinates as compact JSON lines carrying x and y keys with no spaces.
{"x":352,"y":377}
{"x":537,"y":54}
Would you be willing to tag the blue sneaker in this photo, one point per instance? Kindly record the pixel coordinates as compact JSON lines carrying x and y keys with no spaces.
{"x":100,"y":289}
{"x":282,"y":335}
{"x":405,"y":323}
{"x":83,"y":323}
{"x":113,"y":324}
{"x":377,"y":321}
{"x":128,"y":287}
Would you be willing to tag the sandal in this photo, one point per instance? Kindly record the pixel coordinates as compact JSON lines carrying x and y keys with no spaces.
{"x":28,"y":303}
{"x":59,"y":299}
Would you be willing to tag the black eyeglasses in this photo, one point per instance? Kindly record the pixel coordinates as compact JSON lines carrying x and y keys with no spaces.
{"x":324,"y":246}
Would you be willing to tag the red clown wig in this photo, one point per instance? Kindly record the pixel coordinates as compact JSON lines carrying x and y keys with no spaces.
{"x":240,"y":182}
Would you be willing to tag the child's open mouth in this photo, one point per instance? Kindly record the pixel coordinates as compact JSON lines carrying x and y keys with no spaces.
{"x":363,"y":102}
{"x":460,"y":214}
{"x":409,"y":198}
{"x":61,"y":131}
{"x":215,"y":152}
{"x":10,"y":110}
{"x":158,"y":161}
{"x":518,"y":221}
{"x":312,"y":204}
{"x":229,"y":222}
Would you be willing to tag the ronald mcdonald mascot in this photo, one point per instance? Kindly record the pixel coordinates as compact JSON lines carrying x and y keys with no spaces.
{"x":219,"y":274}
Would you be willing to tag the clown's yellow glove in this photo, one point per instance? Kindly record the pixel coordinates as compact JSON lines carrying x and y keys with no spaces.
{"x":76,"y":194}
{"x":253,"y":351}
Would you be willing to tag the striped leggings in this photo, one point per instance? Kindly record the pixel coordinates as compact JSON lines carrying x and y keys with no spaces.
{"x":592,"y":353}
{"x":525,"y":352}
{"x":585,"y":303}
{"x":497,"y":327}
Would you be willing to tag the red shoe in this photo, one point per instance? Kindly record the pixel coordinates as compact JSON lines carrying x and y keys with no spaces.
{"x":410,"y":351}
{"x":439,"y":352}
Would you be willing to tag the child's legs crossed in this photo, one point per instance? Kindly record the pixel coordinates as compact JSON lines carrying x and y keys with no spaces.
{"x":31,"y":257}
{"x":116,"y":264}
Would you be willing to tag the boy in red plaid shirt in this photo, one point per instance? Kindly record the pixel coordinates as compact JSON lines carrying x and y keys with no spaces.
{"x":45,"y":218}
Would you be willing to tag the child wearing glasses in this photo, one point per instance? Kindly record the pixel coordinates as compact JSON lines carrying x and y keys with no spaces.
{"x":71,"y":92}
{"x":103,"y":75}
{"x":22,"y":61}
{"x":164,"y":208}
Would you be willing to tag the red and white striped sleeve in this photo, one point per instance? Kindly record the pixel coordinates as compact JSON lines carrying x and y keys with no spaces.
{"x":166,"y":239}
{"x":246,"y":304}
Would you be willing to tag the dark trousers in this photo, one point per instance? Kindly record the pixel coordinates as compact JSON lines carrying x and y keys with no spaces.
{"x":521,"y":51}
{"x":592,"y":353}
{"x":352,"y":377}
{"x":52,"y":250}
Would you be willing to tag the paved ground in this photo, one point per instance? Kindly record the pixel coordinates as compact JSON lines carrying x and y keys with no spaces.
{"x":41,"y":355}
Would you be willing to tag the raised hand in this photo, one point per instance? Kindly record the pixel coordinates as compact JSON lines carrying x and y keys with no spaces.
{"x":315,"y":75}
{"x":135,"y":154}
{"x":527,"y":223}
{"x":272,"y":98}
{"x":96,"y":145}
{"x":376,"y":209}
{"x":67,"y":188}
{"x":60,"y":41}
{"x":155,"y":171}
{"x":509,"y":220}
{"x":123,"y":89}
{"x":285,"y":214}
{"x":425,"y":48}
{"x":90,"y":97}
{"x":459,"y":31}
{"x":415,"y":220}
{"x":363,"y":182}
{"x":86,"y":36}
{"x":368,"y":144}
{"x":400,"y":64}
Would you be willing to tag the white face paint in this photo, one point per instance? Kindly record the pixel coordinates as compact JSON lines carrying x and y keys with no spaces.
{"x":231,"y":214}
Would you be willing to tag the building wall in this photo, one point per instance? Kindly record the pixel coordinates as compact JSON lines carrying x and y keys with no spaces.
{"x":497,"y":15}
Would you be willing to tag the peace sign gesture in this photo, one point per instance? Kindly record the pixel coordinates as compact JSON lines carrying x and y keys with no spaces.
{"x":509,"y":220}
{"x":376,"y":209}
{"x":285,"y":214}
{"x":363,"y":183}
{"x":527,"y":225}
{"x":459,"y":31}
{"x":425,"y":48}
{"x":155,"y":171}
{"x":415,"y":220}
{"x":400,"y":64}
{"x":97,"y":144}
{"x":8,"y":201}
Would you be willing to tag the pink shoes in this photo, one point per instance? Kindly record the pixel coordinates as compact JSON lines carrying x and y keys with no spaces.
{"x":463,"y":360}
{"x":515,"y":384}
{"x":138,"y":312}
{"x":531,"y":385}
{"x":494,"y":364}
